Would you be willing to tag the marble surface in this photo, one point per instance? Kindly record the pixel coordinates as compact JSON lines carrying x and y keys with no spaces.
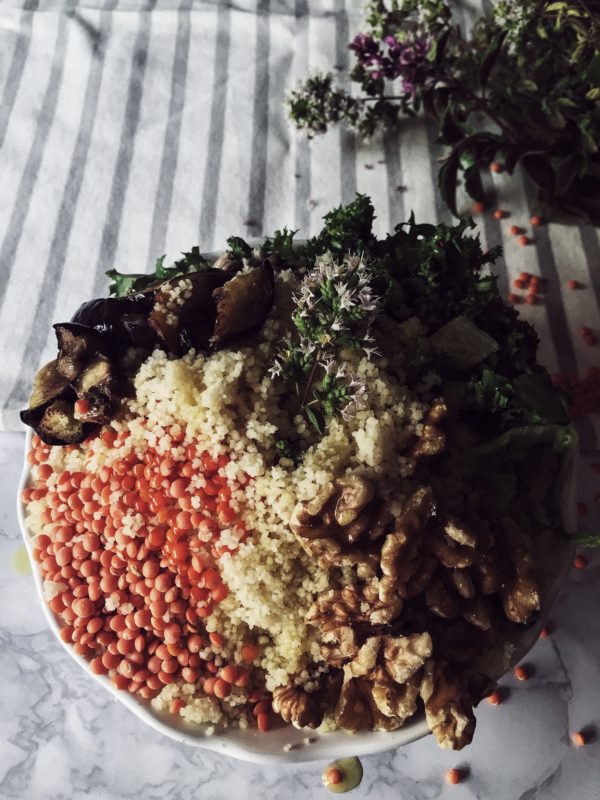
{"x":60,"y":737}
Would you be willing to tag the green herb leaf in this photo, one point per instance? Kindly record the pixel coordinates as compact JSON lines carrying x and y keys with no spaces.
{"x":487,"y":65}
{"x":238,"y":247}
{"x":316,"y":419}
{"x":448,"y":179}
{"x":123,"y":284}
{"x":347,"y":229}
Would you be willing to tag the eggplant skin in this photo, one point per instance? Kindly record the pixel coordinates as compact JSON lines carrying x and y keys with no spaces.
{"x":123,"y":319}
{"x":48,"y":385}
{"x":186,"y":320}
{"x":243,"y":304}
{"x":56,"y":424}
{"x":76,"y":345}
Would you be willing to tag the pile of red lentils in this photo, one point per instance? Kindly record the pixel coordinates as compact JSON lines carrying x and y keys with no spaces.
{"x":134,"y":606}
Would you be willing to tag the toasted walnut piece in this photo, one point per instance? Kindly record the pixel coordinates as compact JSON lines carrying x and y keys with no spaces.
{"x":334,"y":612}
{"x":462,"y":582}
{"x":356,"y":493}
{"x":433,"y":439}
{"x":338,"y":526}
{"x":397,"y":701}
{"x":431,"y":443}
{"x":380,"y":612}
{"x":399,"y":554}
{"x":458,"y":530}
{"x":403,"y":656}
{"x":356,"y":527}
{"x":339,"y":605}
{"x":437,"y":411}
{"x":353,"y":709}
{"x":450,"y":554}
{"x":521,"y":594}
{"x":488,"y":573}
{"x":440,"y":600}
{"x":307,"y":518}
{"x":357,"y":710}
{"x":420,"y":580}
{"x":380,"y":522}
{"x":448,"y":706}
{"x":366,"y":659}
{"x":331,"y":554}
{"x":338,"y":645}
{"x":478,"y":612}
{"x":295,"y":705}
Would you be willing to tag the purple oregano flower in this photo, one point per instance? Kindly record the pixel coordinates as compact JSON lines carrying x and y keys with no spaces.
{"x":392,"y":59}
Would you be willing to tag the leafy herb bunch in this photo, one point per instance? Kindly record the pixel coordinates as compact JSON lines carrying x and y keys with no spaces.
{"x":522,"y":88}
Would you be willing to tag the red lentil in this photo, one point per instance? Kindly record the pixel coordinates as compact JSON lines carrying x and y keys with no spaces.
{"x":499,"y":213}
{"x":579,"y":739}
{"x":478,"y":207}
{"x":515,"y":230}
{"x":580,"y":562}
{"x":536,"y":220}
{"x":495,"y":698}
{"x":523,"y":673}
{"x":496,"y":167}
{"x":524,"y":240}
{"x":453,"y":776}
{"x":250,"y":652}
{"x":333,"y":776}
{"x":263,"y":722}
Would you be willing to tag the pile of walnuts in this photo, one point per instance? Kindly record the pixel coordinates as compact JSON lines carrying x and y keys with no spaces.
{"x":386,"y":636}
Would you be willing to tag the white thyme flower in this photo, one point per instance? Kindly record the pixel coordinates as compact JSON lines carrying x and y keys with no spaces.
{"x":307,"y":347}
{"x":305,"y":296}
{"x":275,"y":369}
{"x":371,"y":352}
{"x":346,"y":298}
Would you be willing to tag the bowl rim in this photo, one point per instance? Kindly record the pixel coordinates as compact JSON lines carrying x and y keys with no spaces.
{"x":306,"y":746}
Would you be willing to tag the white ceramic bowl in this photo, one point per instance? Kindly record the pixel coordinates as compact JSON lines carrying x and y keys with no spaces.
{"x":265,"y":748}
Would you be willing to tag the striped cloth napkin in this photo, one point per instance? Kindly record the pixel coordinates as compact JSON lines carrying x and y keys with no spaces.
{"x":132,"y":129}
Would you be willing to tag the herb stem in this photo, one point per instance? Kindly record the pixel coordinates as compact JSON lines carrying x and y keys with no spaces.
{"x":311,"y":378}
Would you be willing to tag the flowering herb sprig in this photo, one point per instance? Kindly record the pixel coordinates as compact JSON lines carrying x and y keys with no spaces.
{"x":336,"y":307}
{"x":522,"y":88}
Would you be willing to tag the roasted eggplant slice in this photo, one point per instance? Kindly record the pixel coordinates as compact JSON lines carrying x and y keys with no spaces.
{"x":243,"y":304}
{"x":123,"y":319}
{"x":184,"y":310}
{"x":76,"y":345}
{"x":58,"y":425}
{"x":48,"y":384}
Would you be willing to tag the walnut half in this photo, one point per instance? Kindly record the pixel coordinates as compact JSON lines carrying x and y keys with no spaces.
{"x":448,"y":706}
{"x":521,"y":594}
{"x":295,"y":705}
{"x":341,"y":524}
{"x":400,"y":556}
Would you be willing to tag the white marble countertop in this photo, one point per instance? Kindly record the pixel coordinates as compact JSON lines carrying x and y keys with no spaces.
{"x":61,"y":737}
